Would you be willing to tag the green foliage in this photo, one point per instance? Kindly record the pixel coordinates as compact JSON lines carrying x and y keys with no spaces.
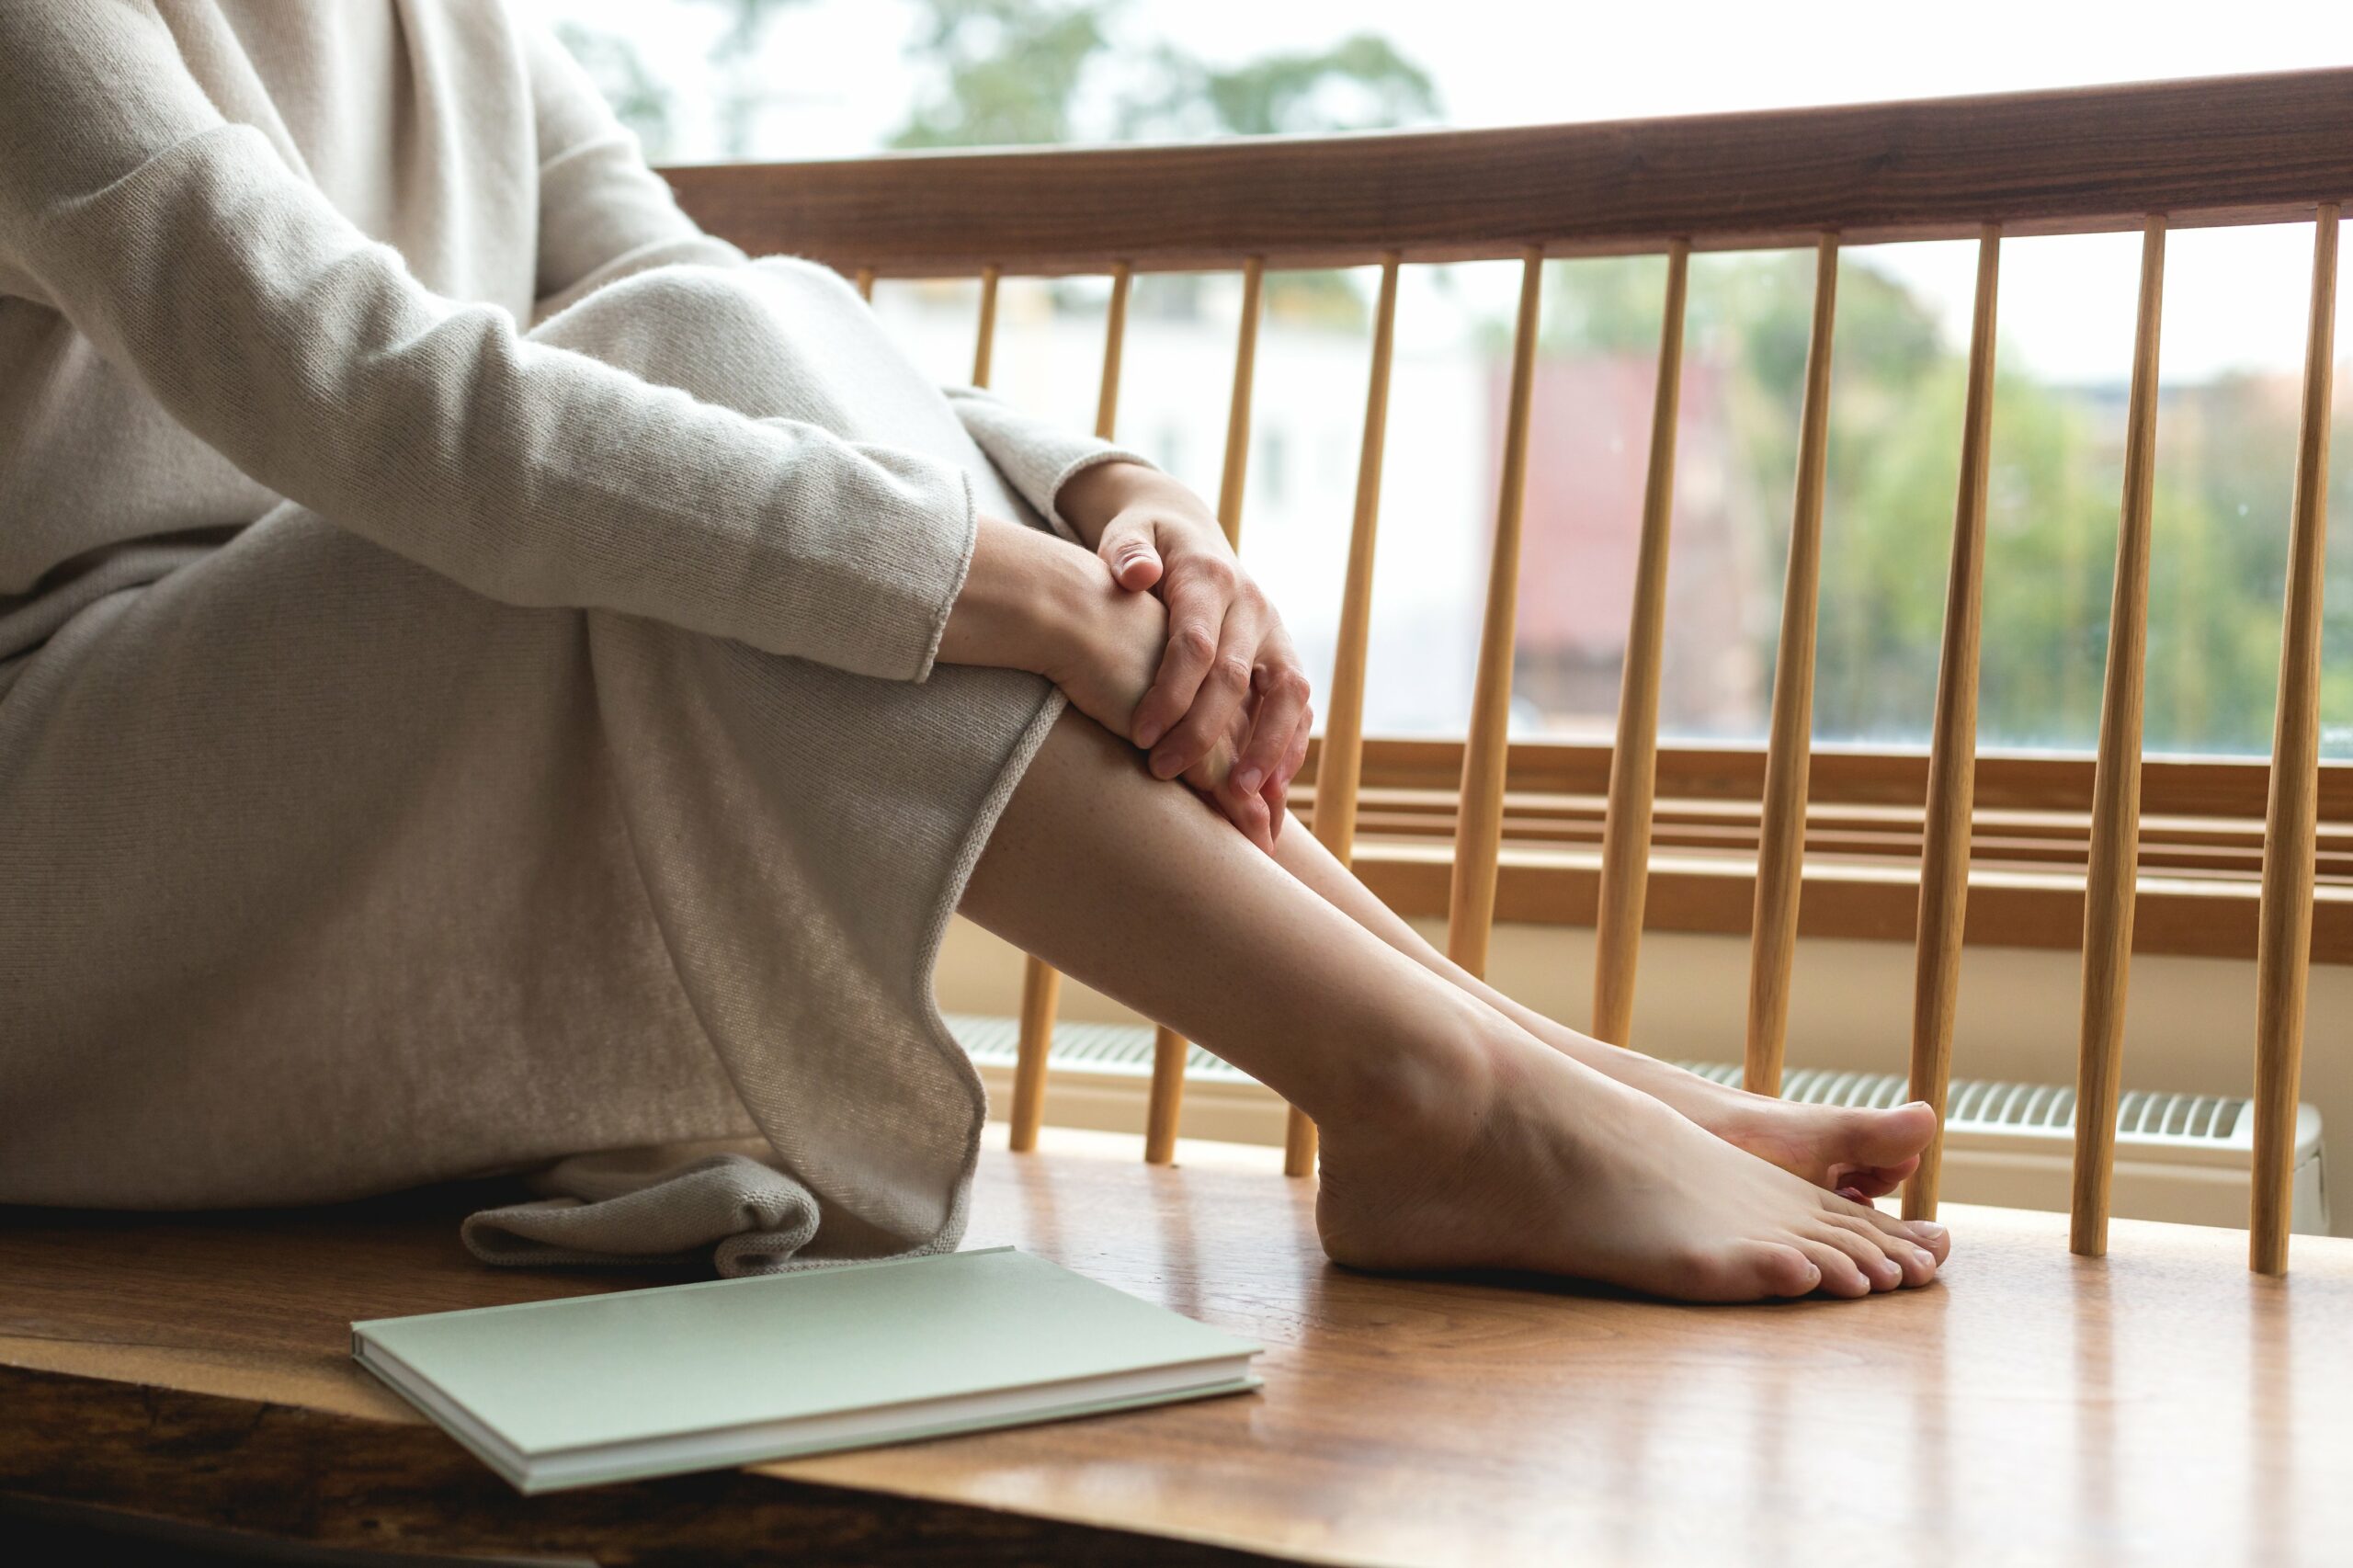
{"x":736,"y":53}
{"x":1009,"y":71}
{"x":1013,"y":73}
{"x":1359,"y":83}
{"x":2055,"y":483}
{"x":639,"y":101}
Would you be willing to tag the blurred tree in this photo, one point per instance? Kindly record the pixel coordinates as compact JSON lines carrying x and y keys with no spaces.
{"x":736,"y":53}
{"x":1359,"y":83}
{"x":638,"y":100}
{"x":2225,"y":469}
{"x":1008,"y":71}
{"x":1011,"y":73}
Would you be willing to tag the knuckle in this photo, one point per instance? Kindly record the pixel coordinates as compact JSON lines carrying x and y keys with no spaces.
{"x":1194,"y":644}
{"x":1233,"y":671}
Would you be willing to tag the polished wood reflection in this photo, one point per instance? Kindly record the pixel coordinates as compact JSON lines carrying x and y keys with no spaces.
{"x":2163,"y":1405}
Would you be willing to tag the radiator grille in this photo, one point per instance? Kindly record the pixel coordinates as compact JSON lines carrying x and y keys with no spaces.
{"x":1102,"y":1048}
{"x":1972,"y":1104}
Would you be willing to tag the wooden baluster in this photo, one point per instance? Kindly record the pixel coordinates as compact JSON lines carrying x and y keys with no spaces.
{"x":1115,"y":334}
{"x":984,"y":340}
{"x":1479,"y":812}
{"x":1339,"y":768}
{"x":1780,"y":845}
{"x":2284,"y":934}
{"x":1953,"y":749}
{"x":2112,"y":873}
{"x":1633,"y":761}
{"x":1168,"y":1048}
{"x":1041,"y":986}
{"x":1042,"y":983}
{"x":866,"y":284}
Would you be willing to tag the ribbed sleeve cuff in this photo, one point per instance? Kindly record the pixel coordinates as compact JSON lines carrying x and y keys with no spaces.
{"x":862,"y":576}
{"x":1036,"y":457}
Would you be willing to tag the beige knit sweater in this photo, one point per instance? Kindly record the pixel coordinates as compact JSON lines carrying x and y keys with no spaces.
{"x":467,"y":639}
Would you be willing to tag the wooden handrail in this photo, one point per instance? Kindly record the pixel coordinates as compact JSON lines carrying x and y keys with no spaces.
{"x":2223,"y":150}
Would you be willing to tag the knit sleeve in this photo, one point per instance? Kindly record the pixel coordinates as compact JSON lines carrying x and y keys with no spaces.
{"x":604,"y":214}
{"x":1037,"y":458}
{"x":189,"y":254}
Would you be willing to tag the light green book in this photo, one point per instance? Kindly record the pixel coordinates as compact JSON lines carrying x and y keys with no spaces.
{"x":592,"y":1388}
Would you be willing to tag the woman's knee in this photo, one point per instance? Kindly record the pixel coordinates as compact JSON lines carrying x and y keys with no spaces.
{"x":713,"y":332}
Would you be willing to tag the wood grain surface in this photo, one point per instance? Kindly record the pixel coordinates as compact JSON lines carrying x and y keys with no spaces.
{"x":2236,"y":149}
{"x":2158,"y":1406}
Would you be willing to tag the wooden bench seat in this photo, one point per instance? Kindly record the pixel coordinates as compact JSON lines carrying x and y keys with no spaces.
{"x":2163,"y":1405}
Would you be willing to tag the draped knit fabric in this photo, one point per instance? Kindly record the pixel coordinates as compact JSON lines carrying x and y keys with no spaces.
{"x":466,"y":637}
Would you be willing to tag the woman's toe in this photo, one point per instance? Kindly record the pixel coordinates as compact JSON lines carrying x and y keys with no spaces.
{"x":1841,"y":1276}
{"x":1782,"y":1269}
{"x":1869,"y":1257}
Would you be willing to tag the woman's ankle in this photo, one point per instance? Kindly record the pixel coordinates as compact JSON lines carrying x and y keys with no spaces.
{"x":1428,"y":1084}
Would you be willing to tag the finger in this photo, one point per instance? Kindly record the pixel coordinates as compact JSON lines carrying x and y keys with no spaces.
{"x":1281,"y":692}
{"x":1295,"y":755}
{"x":1248,"y":812}
{"x":1217,"y":704}
{"x":1197,"y":609}
{"x":1277,"y":791}
{"x":1128,"y":548}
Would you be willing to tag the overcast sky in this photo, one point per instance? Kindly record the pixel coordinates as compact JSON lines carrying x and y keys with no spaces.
{"x":2235,"y":298}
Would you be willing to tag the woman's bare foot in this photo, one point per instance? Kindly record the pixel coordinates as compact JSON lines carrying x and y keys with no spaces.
{"x":1844,"y":1148}
{"x":1524,"y":1158}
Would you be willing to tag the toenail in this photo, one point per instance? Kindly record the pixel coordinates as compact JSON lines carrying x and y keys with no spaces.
{"x":1928,"y":1229}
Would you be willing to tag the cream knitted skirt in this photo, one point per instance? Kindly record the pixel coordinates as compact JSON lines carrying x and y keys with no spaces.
{"x":325,"y":876}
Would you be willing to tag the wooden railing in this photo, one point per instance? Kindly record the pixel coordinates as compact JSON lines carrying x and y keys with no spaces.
{"x":2154,"y":158}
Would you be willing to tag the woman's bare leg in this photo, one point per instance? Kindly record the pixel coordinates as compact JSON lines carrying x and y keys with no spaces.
{"x":1451,"y":1136}
{"x":1868,"y":1152}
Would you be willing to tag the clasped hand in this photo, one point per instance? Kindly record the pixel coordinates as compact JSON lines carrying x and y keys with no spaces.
{"x":1226,"y":705}
{"x":1158,"y":635}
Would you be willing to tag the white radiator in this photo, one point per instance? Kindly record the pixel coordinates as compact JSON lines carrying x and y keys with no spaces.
{"x":2181,"y":1157}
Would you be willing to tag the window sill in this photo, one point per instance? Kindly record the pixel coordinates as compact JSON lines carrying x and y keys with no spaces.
{"x":2201,"y":845}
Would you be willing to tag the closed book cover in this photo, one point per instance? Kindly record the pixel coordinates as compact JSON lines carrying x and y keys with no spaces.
{"x":639,"y":1383}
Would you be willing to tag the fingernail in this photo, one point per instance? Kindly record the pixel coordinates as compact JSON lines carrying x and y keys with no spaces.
{"x":1928,"y":1229}
{"x":1247,"y":780}
{"x":1149,"y":737}
{"x":1164,"y":766}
